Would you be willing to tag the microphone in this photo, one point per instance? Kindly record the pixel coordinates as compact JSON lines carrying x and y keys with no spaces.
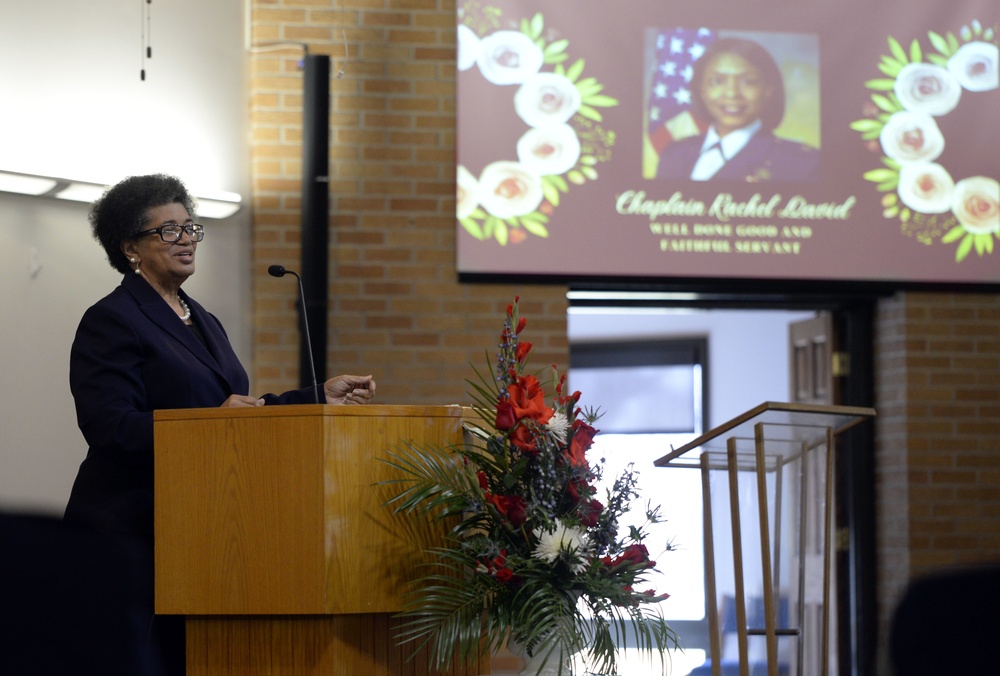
{"x":281,"y":271}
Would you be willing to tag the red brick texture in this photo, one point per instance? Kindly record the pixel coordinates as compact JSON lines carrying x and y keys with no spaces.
{"x":396,"y":307}
{"x":938,"y":439}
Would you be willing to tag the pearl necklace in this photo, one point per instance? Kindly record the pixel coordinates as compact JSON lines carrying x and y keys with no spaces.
{"x":187,"y":311}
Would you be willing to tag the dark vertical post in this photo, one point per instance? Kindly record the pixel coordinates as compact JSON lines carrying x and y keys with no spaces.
{"x":856,"y":476}
{"x":315,"y":212}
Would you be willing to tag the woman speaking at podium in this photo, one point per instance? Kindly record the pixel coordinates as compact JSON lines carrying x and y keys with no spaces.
{"x":145,"y":346}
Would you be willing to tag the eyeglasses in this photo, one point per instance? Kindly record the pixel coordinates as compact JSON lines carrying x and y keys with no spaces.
{"x":171,"y":232}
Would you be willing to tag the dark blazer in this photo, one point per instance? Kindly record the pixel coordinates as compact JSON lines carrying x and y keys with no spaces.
{"x":131,"y":356}
{"x":765,"y":157}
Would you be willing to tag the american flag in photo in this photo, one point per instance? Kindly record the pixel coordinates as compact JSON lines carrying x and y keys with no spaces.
{"x":669,"y":116}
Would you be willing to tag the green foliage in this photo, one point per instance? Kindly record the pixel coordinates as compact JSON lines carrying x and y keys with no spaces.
{"x":530,"y":555}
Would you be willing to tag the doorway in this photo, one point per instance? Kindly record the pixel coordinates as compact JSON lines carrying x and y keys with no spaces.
{"x":749,"y":358}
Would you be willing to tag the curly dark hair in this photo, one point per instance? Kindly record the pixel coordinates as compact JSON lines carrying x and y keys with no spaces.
{"x":123,"y":210}
{"x":761,"y":59}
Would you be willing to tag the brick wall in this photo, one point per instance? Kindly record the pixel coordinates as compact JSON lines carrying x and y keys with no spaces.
{"x":398,"y":311}
{"x":938,"y":438}
{"x":396,"y":307}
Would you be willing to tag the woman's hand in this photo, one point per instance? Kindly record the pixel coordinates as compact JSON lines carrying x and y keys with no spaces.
{"x":349,"y":389}
{"x":241,"y":401}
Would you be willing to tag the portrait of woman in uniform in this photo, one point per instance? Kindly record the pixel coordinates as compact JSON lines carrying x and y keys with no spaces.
{"x":738,"y":97}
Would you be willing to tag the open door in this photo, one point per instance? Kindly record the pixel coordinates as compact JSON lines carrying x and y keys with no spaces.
{"x":810,"y":371}
{"x":815,"y":367}
{"x":811,"y":353}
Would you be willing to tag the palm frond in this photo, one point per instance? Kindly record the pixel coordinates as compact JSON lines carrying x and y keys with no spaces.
{"x":437,"y":480}
{"x":518,"y":494}
{"x":443,"y":614}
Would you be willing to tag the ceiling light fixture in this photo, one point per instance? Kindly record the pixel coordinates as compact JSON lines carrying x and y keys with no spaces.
{"x":216,"y":205}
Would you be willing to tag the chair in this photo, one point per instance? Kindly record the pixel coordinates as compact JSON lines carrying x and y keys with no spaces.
{"x":730,"y":664}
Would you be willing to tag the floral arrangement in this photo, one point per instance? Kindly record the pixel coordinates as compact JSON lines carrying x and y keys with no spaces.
{"x":920,"y":86}
{"x":559,"y":109}
{"x":534,"y":557}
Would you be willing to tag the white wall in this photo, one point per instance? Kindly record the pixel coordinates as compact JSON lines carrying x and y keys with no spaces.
{"x":73,"y":106}
{"x":747,"y":349}
{"x":747,"y":365}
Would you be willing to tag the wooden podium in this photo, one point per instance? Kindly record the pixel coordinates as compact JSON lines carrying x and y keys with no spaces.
{"x":273,"y":539}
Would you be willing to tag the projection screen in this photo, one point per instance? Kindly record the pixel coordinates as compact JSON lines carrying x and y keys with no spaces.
{"x":841,"y":141}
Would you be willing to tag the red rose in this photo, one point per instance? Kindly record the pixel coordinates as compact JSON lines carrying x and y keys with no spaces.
{"x":481,"y":475}
{"x":589,"y":512}
{"x":579,"y":488}
{"x":582,"y":440}
{"x":523,"y":438}
{"x":504,"y":574}
{"x":505,"y":416}
{"x":498,"y":501}
{"x":626,"y":557}
{"x":635,"y":555}
{"x":517,"y":510}
{"x":511,"y":507}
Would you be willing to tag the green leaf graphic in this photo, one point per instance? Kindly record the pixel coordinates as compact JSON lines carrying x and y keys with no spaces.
{"x":897,"y":50}
{"x":964,"y":247}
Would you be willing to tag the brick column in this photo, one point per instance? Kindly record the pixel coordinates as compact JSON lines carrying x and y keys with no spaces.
{"x":396,"y":307}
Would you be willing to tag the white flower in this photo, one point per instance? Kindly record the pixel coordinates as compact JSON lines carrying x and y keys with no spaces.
{"x":976,"y":66}
{"x":467,"y":193}
{"x":911,"y":137}
{"x":509,"y":189}
{"x":549,"y":150}
{"x":547,"y":99}
{"x":509,"y":57}
{"x":976,"y":204}
{"x":558,"y":426}
{"x":563,"y":542}
{"x":926,"y":187}
{"x":469,"y":47}
{"x":926,"y":88}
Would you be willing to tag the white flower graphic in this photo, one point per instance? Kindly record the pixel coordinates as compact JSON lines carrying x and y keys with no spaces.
{"x":976,"y":204}
{"x":469,"y":47}
{"x":509,"y":57}
{"x":549,"y":150}
{"x":547,"y":99}
{"x":926,"y":88}
{"x":911,"y":137}
{"x":563,"y":542}
{"x":509,"y":189}
{"x":467,"y":198}
{"x":926,"y":187}
{"x":976,"y":66}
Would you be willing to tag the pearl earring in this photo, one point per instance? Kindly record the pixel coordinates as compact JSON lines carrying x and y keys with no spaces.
{"x":137,"y":271}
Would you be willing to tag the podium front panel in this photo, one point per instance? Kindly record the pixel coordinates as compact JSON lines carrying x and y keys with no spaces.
{"x":278,"y":510}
